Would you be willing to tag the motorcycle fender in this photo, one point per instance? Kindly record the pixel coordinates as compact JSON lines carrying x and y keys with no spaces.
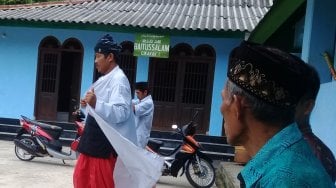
{"x":179,"y":162}
{"x":20,"y":132}
{"x":204,"y":156}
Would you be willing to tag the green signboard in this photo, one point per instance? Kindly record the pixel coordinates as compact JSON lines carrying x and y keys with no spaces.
{"x":151,"y":45}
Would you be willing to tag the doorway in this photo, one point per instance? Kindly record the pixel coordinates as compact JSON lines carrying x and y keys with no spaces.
{"x":59,"y":79}
{"x":182,"y":85}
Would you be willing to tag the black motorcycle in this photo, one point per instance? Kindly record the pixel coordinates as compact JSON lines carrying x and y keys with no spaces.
{"x":196,"y":165}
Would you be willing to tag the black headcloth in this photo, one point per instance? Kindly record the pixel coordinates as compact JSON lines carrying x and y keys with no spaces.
{"x":141,"y":86}
{"x":269,"y":74}
{"x":106,"y":45}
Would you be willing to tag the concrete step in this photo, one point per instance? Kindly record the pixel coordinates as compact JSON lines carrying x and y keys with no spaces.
{"x":214,"y":146}
{"x":199,"y":137}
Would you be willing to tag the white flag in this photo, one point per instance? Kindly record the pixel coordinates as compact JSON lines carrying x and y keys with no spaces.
{"x":135,"y":166}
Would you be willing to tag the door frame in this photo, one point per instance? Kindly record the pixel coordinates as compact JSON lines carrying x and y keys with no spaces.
{"x":182,"y":54}
{"x":52,"y":44}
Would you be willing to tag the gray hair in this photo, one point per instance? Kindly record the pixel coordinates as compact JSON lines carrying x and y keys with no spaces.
{"x":262,"y":110}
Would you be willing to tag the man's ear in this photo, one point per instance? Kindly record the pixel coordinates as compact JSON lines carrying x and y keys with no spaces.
{"x":111,"y":56}
{"x":308,"y":106}
{"x":238,"y":106}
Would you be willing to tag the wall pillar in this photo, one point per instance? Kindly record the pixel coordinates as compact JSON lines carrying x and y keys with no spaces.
{"x":319,"y":35}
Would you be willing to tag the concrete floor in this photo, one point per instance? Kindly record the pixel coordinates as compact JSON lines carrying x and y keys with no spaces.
{"x":52,"y":173}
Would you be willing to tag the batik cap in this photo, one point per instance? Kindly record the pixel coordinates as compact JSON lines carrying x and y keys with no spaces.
{"x":106,"y":45}
{"x":269,"y":74}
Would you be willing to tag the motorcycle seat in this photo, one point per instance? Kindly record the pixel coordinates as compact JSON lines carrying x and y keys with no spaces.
{"x":48,"y":126}
{"x":156,"y":142}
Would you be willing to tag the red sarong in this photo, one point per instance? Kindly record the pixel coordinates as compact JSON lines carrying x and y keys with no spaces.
{"x":91,"y":172}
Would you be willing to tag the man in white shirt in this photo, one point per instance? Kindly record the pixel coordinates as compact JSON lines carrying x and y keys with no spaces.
{"x":143,"y":108}
{"x":110,"y":97}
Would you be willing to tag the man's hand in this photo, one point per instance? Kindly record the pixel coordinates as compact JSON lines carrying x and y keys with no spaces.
{"x":83,"y":103}
{"x":90,"y":98}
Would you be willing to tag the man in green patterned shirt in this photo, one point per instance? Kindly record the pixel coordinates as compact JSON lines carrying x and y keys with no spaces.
{"x":259,"y":100}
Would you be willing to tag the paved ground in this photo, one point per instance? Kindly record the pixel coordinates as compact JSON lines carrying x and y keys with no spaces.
{"x":52,"y":173}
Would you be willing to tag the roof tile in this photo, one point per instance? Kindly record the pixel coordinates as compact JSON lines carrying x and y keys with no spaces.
{"x":218,"y":15}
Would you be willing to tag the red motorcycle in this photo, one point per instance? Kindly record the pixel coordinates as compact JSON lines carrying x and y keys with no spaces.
{"x":37,"y":139}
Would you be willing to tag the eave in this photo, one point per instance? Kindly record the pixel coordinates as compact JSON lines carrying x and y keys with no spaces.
{"x":123,"y":29}
{"x":275,"y":17}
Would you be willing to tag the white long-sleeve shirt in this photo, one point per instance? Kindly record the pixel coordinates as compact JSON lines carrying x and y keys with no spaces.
{"x":114,"y":115}
{"x":114,"y":102}
{"x":143,"y":110}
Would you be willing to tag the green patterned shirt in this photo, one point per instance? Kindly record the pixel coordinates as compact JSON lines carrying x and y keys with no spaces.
{"x":286,"y":160}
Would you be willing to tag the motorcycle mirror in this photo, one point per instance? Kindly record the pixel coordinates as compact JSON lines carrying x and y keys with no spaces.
{"x":195,"y":115}
{"x":174,"y":126}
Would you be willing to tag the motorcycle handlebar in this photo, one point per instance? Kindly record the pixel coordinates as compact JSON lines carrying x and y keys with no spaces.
{"x":195,"y":115}
{"x":183,"y":129}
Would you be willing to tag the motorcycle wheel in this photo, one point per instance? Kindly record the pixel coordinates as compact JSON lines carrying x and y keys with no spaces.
{"x":200,"y":175}
{"x":23,"y":154}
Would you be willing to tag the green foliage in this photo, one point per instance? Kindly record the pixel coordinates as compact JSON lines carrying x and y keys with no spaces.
{"x":17,"y":2}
